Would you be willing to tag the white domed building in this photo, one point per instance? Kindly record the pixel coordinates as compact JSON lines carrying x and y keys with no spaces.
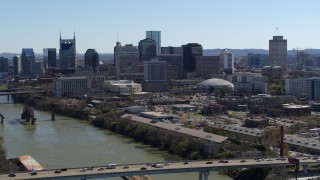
{"x":211,"y":85}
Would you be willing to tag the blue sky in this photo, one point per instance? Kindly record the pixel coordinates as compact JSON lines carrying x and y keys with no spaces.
{"x":214,"y":24}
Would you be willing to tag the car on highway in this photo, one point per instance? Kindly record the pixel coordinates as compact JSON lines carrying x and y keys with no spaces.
{"x":209,"y":162}
{"x":83,"y":170}
{"x":125,"y":167}
{"x":143,"y":168}
{"x":111,"y":166}
{"x":186,"y":162}
{"x":223,"y":161}
{"x":64,"y":169}
{"x":33,"y":173}
{"x":11,"y":175}
{"x":100,"y":169}
{"x":57,"y":171}
{"x":243,"y":161}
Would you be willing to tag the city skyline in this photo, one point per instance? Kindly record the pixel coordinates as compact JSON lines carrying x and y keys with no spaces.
{"x":213,"y":24}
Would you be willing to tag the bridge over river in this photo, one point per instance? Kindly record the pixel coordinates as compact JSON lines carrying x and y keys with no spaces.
{"x":203,"y":167}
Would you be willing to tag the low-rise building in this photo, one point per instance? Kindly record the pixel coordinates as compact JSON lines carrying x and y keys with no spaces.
{"x":135,"y":109}
{"x":184,"y":107}
{"x":71,"y":86}
{"x":296,"y":110}
{"x":124,"y":87}
{"x":255,"y":122}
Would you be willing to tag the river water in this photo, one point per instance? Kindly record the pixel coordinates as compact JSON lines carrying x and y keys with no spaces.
{"x":68,"y":142}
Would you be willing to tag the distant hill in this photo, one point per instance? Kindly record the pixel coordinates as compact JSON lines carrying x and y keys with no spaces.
{"x":244,"y":52}
{"x":206,"y":52}
{"x":102,"y":56}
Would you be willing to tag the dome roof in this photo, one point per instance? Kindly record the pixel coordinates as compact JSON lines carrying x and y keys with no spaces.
{"x":214,"y":82}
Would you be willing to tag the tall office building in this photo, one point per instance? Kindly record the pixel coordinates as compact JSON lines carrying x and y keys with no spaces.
{"x":155,"y":35}
{"x":312,"y":88}
{"x":91,"y":60}
{"x":207,"y":65}
{"x":257,"y":60}
{"x":302,"y":58}
{"x":67,"y":53}
{"x":172,"y":50}
{"x":147,"y":49}
{"x":155,"y":76}
{"x":37,"y":69}
{"x":190,"y":51}
{"x":174,"y":65}
{"x":4,"y":65}
{"x":16,"y":66}
{"x":27,"y":61}
{"x":278,"y":51}
{"x":49,"y":57}
{"x":127,"y":62}
{"x":228,"y":61}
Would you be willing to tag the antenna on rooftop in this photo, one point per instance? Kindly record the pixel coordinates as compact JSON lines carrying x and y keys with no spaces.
{"x":117,"y":37}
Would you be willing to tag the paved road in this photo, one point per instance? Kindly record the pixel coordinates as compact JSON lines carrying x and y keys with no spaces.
{"x":176,"y":167}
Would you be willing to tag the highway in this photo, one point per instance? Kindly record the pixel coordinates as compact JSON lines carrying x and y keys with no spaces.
{"x":174,"y":167}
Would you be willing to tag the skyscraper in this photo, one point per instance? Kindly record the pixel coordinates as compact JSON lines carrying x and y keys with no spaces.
{"x":302,"y":58}
{"x":174,"y":65}
{"x":190,"y":51}
{"x":228,"y":61}
{"x":207,"y":65}
{"x":67,"y":53}
{"x":155,"y":70}
{"x":147,"y":49}
{"x":155,"y":76}
{"x":91,"y":60}
{"x":155,"y":35}
{"x":127,"y":62}
{"x":27,"y":61}
{"x":16,"y":66}
{"x":4,"y":65}
{"x":49,"y":57}
{"x":278,"y":51}
{"x":257,"y":60}
{"x":172,"y":50}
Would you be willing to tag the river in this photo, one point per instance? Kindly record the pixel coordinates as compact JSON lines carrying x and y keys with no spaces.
{"x":68,"y":142}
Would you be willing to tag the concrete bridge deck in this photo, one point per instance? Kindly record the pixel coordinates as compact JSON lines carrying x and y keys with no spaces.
{"x":203,"y":167}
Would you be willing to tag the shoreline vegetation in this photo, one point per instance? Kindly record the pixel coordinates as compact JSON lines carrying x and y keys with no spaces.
{"x":108,"y":116}
{"x":4,"y":163}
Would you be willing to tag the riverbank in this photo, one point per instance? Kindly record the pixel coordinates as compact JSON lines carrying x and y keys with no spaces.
{"x":108,"y":117}
{"x":4,"y":163}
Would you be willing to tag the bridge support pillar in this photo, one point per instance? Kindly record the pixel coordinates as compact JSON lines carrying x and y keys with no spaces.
{"x":305,"y":169}
{"x":205,"y":175}
{"x":1,"y":119}
{"x":200,"y":176}
{"x":53,"y":116}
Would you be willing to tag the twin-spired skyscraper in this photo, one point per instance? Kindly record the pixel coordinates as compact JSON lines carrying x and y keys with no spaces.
{"x":67,"y":53}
